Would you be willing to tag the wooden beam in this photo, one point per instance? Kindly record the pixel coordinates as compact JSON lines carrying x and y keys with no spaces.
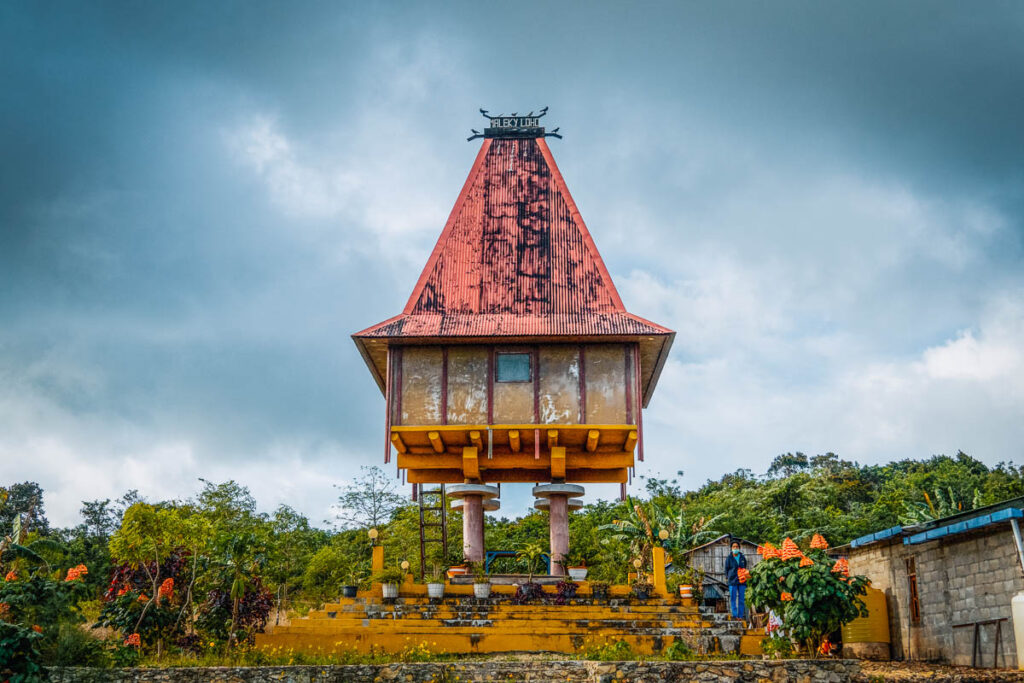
{"x":474,"y":438}
{"x":436,"y":442}
{"x":429,"y":462}
{"x":396,"y":441}
{"x":630,"y":441}
{"x":455,"y":476}
{"x":513,"y":440}
{"x":558,"y":462}
{"x":470,"y":463}
{"x":552,"y":438}
{"x":593,"y":436}
{"x":516,"y":461}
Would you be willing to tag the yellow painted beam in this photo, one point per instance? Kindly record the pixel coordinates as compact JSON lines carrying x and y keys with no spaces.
{"x":436,"y":442}
{"x":658,"y":560}
{"x":470,"y":463}
{"x":396,"y":441}
{"x":429,"y":462}
{"x":513,"y":440}
{"x":630,"y":441}
{"x":512,"y":461}
{"x":474,"y":438}
{"x":517,"y":475}
{"x":552,"y":438}
{"x":558,"y":462}
{"x":593,"y":436}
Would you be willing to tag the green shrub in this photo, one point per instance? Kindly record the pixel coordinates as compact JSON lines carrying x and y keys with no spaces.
{"x":678,"y":651}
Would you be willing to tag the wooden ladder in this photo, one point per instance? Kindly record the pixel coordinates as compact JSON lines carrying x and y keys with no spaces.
{"x":433,"y":523}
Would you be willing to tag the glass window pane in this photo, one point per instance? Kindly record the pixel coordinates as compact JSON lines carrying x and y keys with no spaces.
{"x":513,"y":367}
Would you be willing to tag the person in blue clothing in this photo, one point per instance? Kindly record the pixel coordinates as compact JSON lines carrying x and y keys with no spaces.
{"x":737,"y":589}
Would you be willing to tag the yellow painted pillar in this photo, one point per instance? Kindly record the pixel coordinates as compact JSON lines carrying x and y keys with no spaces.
{"x":658,"y":560}
{"x":377,"y":564}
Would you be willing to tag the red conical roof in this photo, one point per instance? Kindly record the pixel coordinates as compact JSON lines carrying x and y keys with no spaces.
{"x":516,"y":261}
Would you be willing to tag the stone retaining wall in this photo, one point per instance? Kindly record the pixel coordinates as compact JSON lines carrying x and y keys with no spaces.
{"x":782,"y":671}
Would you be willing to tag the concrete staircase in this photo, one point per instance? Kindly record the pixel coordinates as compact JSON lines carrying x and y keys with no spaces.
{"x":463,"y":624}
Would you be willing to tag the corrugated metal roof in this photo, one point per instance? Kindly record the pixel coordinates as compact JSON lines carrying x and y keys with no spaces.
{"x":515,"y":259}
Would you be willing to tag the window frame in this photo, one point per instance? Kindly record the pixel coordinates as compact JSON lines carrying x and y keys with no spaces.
{"x":914,"y":596}
{"x":497,"y":367}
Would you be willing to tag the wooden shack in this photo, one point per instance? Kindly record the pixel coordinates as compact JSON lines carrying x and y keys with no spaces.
{"x":710,"y":558}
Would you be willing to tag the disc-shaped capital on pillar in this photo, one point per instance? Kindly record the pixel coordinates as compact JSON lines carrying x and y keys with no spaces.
{"x":572,"y":504}
{"x":548,"y":490}
{"x":463,"y":490}
{"x":489,"y":504}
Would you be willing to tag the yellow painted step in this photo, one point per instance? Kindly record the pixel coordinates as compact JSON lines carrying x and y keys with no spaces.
{"x":460,"y":643}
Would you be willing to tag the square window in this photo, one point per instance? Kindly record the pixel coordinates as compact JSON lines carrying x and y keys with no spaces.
{"x":513,"y":367}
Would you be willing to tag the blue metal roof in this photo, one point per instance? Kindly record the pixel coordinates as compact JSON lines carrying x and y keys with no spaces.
{"x":877,"y":536}
{"x":961,"y":527}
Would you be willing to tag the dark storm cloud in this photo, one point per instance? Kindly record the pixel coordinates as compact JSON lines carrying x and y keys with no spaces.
{"x":199,"y":202}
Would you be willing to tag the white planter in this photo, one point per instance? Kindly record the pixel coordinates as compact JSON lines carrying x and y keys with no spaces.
{"x":390,"y":590}
{"x":435,"y":590}
{"x":482,"y":590}
{"x":577,"y":573}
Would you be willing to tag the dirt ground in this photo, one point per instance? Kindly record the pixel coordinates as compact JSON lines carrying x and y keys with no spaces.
{"x":872,"y":672}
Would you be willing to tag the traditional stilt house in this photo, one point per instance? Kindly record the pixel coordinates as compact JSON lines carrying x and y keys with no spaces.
{"x":514,"y":359}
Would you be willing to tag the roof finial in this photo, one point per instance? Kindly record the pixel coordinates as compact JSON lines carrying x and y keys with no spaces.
{"x":514,"y":126}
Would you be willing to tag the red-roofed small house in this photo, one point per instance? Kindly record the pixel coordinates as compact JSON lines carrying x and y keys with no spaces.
{"x":514,"y":359}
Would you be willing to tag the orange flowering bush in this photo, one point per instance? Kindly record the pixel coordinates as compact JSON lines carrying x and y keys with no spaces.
{"x":812,"y":594}
{"x":790,"y":550}
{"x":166,"y":589}
{"x":134,"y":640}
{"x":76,"y":573}
{"x":818,"y":542}
{"x":11,"y":576}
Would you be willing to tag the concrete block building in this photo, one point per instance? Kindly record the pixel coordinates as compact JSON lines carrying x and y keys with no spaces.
{"x":949,"y":584}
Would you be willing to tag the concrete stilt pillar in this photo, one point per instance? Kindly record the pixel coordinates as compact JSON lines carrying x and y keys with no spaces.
{"x":558,"y":500}
{"x":473,"y":528}
{"x":473,"y":499}
{"x":558,"y":526}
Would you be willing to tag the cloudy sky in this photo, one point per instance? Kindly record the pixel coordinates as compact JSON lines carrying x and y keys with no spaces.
{"x":200,"y":202}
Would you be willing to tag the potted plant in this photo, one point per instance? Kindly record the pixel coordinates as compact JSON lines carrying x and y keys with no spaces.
{"x":576,"y":564}
{"x":435,"y":584}
{"x":481,"y":583}
{"x":642,"y":587}
{"x":353,"y":577}
{"x":599,"y":589}
{"x":390,"y":580}
{"x":457,"y":566}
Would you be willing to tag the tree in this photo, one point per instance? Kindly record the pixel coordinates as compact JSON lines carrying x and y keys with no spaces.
{"x":370,"y":500}
{"x":24,"y":500}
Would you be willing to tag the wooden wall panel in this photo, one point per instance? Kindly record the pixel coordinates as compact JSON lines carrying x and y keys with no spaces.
{"x":421,"y":385}
{"x":606,"y":383}
{"x":467,"y":385}
{"x":559,"y":384}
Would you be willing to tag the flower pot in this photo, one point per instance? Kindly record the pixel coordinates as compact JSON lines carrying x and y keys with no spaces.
{"x":390,"y":590}
{"x":482,"y":590}
{"x":458,"y":570}
{"x":435,"y":590}
{"x":685,"y":591}
{"x":349,"y":591}
{"x":577,"y":573}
